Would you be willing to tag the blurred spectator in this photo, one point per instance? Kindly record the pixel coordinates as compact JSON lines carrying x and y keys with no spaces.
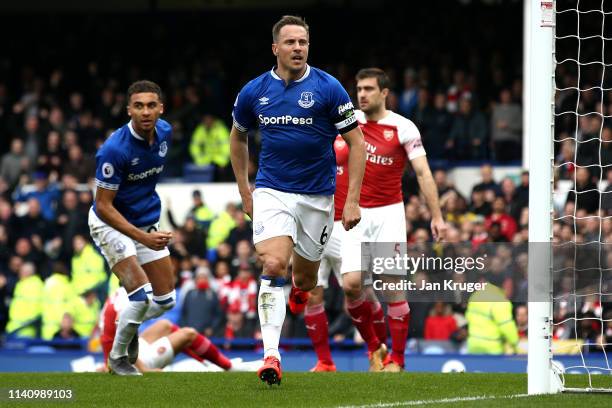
{"x":33,"y":225}
{"x":440,"y":324}
{"x":244,"y":257}
{"x":409,"y":97}
{"x":26,"y":306}
{"x":469,"y":132}
{"x":506,"y":223}
{"x":588,"y":197}
{"x":88,"y":268}
{"x":507,"y":126}
{"x":241,"y":232}
{"x":237,"y":325}
{"x":52,"y":156}
{"x":221,"y":226}
{"x":487,"y":183}
{"x":70,"y":221}
{"x":201,"y":308}
{"x":458,"y":90}
{"x":31,"y":137}
{"x":57,"y":299}
{"x":200,"y":211}
{"x":436,"y":129}
{"x":14,"y":164}
{"x":491,"y":328}
{"x":442,"y":183}
{"x":47,"y":194}
{"x":210,"y":145}
{"x":566,"y":158}
{"x":79,"y":165}
{"x":66,"y":329}
{"x":479,"y":205}
{"x":86,"y":309}
{"x":521,"y":316}
{"x":243,"y":292}
{"x":223,"y":283}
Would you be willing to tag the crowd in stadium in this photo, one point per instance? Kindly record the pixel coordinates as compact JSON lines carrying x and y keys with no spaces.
{"x":52,"y":125}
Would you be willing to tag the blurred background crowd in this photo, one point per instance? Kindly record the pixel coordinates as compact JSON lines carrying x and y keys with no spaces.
{"x":63,"y":93}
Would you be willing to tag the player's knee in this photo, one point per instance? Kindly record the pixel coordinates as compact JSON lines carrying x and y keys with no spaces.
{"x":190,"y":333}
{"x":352,"y":289}
{"x":316,"y":297}
{"x":166,"y":325}
{"x":274,"y":266}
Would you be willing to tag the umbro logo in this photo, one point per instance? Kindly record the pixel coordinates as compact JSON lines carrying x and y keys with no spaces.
{"x":135,"y":161}
{"x":264,"y":100}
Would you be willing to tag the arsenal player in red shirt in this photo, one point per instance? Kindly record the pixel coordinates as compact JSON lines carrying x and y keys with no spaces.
{"x":391,"y":140}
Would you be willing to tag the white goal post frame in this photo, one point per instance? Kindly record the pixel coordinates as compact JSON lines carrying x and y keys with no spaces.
{"x":539,"y":74}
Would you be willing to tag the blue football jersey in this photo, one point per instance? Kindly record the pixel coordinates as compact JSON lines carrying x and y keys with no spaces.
{"x":298,"y":123}
{"x":128,"y":164}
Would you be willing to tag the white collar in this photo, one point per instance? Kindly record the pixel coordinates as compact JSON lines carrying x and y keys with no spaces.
{"x":275,"y":76}
{"x":133,"y":132}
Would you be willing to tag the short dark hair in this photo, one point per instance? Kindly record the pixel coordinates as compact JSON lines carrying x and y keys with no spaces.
{"x":288,"y":20}
{"x":144,"y":86}
{"x":382,"y":79}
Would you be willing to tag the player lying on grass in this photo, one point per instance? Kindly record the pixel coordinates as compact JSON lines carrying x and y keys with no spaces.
{"x":162,"y":341}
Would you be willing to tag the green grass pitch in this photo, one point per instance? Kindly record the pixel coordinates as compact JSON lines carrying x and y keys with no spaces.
{"x":371,"y":390}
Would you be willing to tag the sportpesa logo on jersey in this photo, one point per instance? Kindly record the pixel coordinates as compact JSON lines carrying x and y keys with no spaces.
{"x":139,"y":176}
{"x":284,"y":120}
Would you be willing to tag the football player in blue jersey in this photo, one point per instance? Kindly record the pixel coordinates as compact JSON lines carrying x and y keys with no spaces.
{"x":124,"y":218}
{"x":299,"y":110}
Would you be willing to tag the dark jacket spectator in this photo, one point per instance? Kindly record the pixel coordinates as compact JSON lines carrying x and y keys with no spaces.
{"x":588,"y":197}
{"x":506,"y":128}
{"x":14,"y":163}
{"x":469,"y":132}
{"x":201,"y":309}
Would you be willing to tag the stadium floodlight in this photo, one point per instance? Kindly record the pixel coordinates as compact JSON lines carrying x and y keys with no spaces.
{"x":561,"y":64}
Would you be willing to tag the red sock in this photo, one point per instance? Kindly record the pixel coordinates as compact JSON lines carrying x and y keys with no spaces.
{"x":399,"y":318}
{"x":316,"y":325}
{"x":205,"y":350}
{"x":361,"y":314}
{"x":378,"y":321}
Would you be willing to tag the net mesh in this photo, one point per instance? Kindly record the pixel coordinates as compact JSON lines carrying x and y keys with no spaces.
{"x":582,"y":199}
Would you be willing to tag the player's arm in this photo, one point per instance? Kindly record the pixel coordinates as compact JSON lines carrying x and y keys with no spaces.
{"x":156,"y":240}
{"x":239,"y":154}
{"x":430,"y":192}
{"x":356,"y":167}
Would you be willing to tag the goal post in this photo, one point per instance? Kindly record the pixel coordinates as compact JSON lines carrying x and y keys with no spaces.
{"x":569,"y":274}
{"x":539,"y":43}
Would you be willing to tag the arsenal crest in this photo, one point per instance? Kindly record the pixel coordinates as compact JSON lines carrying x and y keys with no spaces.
{"x":388,"y":134}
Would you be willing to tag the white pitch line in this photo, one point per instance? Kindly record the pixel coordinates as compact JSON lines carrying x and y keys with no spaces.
{"x":439,"y":401}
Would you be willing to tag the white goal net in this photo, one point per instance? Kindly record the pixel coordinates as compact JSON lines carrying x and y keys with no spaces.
{"x":582,"y":198}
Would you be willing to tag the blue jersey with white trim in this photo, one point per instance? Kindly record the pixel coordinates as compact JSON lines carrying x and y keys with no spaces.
{"x":128,"y":164}
{"x":298,"y":123}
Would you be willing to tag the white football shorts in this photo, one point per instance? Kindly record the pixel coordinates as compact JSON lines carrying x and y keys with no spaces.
{"x":116,"y":247}
{"x":157,"y":354}
{"x":331,"y":260}
{"x":307,"y":219}
{"x":385,"y":225}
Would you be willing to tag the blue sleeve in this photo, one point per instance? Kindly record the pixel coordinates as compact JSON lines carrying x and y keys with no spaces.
{"x":165,"y":129}
{"x":341,"y":110}
{"x":110,"y":165}
{"x":244,"y":118}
